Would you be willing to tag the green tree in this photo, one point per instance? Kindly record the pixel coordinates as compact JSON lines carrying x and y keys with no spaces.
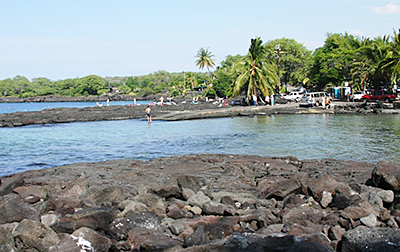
{"x":22,"y":85}
{"x":91,"y":85}
{"x":67,"y":87}
{"x":7,"y":87}
{"x":256,"y":72}
{"x":229,"y":62}
{"x":133,"y":83}
{"x":222,"y":83}
{"x":205,"y":59}
{"x":370,"y":58}
{"x":43,"y":86}
{"x":190,"y":80}
{"x":295,"y":60}
{"x":361,"y":67}
{"x":333,"y":61}
{"x":392,"y":60}
{"x":125,"y":89}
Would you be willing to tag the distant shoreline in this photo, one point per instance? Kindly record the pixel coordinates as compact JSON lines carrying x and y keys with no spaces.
{"x":73,"y":99}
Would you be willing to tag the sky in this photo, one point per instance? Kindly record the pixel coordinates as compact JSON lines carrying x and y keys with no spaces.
{"x":72,"y":39}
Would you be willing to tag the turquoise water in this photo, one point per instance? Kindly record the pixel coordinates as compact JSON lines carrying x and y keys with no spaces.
{"x":347,"y":137}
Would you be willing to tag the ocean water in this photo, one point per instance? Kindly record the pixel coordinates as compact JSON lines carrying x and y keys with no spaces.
{"x":347,"y":137}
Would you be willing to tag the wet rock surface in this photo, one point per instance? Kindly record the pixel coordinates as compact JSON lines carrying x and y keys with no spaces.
{"x":205,"y":202}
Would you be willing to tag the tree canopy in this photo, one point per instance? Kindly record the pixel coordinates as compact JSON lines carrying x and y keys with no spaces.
{"x":255,"y":72}
{"x":362,"y":62}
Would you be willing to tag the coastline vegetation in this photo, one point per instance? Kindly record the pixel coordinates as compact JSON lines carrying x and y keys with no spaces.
{"x":268,"y":68}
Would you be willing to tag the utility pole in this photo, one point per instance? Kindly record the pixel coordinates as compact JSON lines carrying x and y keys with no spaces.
{"x":278,"y":48}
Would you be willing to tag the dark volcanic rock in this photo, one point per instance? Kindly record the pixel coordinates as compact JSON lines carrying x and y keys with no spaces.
{"x":7,"y":237}
{"x":9,"y":183}
{"x":13,"y":208}
{"x":371,"y":239}
{"x":96,"y":219}
{"x":283,"y":188}
{"x":120,"y":227}
{"x":200,"y":236}
{"x":387,"y":175}
{"x":98,"y":242}
{"x":206,"y":202}
{"x":35,"y":236}
{"x":144,"y":239}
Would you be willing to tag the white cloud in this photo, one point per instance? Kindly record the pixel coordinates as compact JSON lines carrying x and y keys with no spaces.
{"x":387,"y":9}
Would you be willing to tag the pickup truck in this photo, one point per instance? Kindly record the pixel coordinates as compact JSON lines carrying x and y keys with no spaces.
{"x":380,"y":95}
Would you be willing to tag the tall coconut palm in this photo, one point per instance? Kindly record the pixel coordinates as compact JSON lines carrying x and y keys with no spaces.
{"x":255,"y":72}
{"x":205,"y":59}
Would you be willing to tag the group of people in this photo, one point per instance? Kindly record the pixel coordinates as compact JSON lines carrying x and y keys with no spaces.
{"x":269,"y":100}
{"x":101,"y":105}
{"x":325,"y":103}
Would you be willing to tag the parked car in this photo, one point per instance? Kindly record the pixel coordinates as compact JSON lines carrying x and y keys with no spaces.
{"x":312,"y":99}
{"x":239,"y":101}
{"x":294,"y":96}
{"x":379,"y":95}
{"x":280,"y":99}
{"x":357,"y":95}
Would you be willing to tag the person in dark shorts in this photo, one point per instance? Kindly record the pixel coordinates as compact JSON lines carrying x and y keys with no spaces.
{"x":148,"y":113}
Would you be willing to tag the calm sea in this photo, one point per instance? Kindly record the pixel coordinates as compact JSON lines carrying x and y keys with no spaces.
{"x":347,"y":137}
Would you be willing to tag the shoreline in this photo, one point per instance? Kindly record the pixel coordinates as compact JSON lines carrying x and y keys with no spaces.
{"x":180,"y":111}
{"x":44,"y":99}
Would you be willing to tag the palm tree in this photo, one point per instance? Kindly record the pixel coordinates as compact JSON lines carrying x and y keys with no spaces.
{"x":393,"y":57}
{"x":361,"y":66}
{"x":256,"y":72}
{"x":371,"y":62}
{"x":191,"y":80}
{"x":205,"y":59}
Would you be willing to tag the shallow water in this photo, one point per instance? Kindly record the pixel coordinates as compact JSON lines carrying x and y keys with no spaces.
{"x":347,"y":137}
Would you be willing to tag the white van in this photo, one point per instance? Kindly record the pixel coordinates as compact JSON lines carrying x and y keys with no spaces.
{"x":312,"y":99}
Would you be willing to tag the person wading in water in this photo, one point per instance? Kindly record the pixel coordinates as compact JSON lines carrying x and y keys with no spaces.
{"x":148,"y":113}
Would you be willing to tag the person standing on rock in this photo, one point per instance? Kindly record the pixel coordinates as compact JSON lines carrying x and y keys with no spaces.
{"x":148,"y":113}
{"x":267,"y":99}
{"x":255,"y":99}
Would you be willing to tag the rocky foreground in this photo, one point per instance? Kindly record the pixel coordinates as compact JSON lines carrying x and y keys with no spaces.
{"x":203,"y":203}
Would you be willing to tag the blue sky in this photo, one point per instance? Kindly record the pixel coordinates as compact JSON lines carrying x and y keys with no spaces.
{"x":69,"y":39}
